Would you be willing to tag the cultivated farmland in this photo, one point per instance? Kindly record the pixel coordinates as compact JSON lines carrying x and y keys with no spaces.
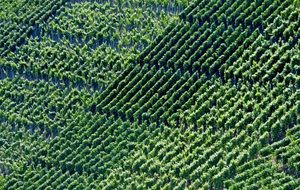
{"x":152,"y":94}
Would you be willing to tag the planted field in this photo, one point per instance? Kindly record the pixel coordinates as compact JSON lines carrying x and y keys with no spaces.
{"x":149,"y":94}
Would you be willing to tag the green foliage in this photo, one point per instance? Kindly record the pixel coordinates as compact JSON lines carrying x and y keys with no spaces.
{"x":2,"y":182}
{"x":126,"y":94}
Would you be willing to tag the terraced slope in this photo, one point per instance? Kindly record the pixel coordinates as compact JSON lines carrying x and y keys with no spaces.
{"x":212,"y":103}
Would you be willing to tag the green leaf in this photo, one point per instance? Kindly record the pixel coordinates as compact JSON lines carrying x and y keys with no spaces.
{"x":2,"y":182}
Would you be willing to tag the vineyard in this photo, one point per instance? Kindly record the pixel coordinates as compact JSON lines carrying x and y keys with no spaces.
{"x":152,"y":94}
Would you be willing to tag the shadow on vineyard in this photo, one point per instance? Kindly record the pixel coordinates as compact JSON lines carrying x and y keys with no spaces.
{"x":153,"y":94}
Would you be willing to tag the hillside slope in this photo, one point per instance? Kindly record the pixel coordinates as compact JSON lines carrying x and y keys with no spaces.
{"x":212,"y":103}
